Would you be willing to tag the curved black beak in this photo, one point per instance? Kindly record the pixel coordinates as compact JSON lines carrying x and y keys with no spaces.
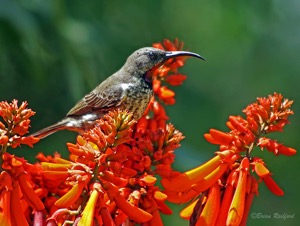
{"x":182,"y":53}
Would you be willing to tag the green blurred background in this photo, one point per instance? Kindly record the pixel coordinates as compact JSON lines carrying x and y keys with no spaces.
{"x":54,"y":52}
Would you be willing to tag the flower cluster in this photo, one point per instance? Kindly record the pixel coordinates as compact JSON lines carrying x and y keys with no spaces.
{"x":16,"y":188}
{"x":15,"y":124}
{"x":225,"y":186}
{"x":112,"y":168}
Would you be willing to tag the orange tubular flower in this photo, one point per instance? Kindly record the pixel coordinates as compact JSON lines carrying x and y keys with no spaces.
{"x":132,"y":211}
{"x":5,"y":198}
{"x":71,"y":196}
{"x":17,"y":216}
{"x":272,"y":185}
{"x":260,"y":169}
{"x":88,"y":212}
{"x":227,"y":197}
{"x":176,"y":79}
{"x":219,"y":137}
{"x":187,"y":211}
{"x":210,"y":179}
{"x":253,"y":190}
{"x":28,"y":193}
{"x":236,"y":208}
{"x":275,"y":147}
{"x":211,"y":207}
{"x":181,"y":197}
{"x":184,"y":181}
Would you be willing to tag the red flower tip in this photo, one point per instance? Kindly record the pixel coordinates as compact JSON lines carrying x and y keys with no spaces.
{"x":218,"y":137}
{"x":175,"y":79}
{"x":275,"y":147}
{"x":272,"y":185}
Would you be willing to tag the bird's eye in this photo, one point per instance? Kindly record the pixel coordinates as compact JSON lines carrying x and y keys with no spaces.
{"x":152,"y":56}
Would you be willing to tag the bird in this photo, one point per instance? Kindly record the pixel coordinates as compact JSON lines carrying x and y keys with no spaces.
{"x":130,"y":88}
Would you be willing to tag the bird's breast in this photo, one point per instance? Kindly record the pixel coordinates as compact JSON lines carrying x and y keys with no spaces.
{"x":137,"y":99}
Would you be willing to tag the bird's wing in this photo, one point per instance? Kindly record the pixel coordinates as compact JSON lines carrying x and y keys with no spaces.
{"x":97,"y":101}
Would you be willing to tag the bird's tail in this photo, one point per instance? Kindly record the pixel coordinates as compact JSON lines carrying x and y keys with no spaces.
{"x":79,"y":124}
{"x":64,"y":124}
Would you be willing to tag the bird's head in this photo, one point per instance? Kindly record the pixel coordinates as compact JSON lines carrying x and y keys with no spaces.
{"x":145,"y":59}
